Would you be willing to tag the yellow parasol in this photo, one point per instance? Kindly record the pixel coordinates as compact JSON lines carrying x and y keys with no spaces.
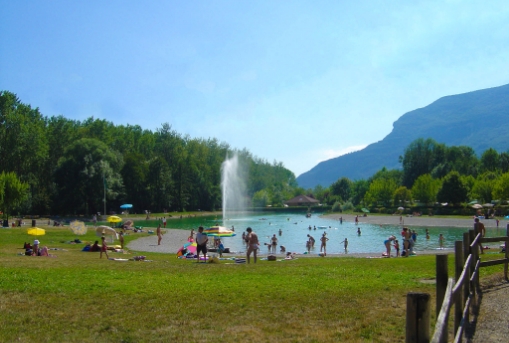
{"x":35,"y":231}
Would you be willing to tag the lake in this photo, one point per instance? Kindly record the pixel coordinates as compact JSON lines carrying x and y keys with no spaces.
{"x":295,"y":228}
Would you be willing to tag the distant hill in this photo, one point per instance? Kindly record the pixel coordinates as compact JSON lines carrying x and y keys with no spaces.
{"x":478,"y":119}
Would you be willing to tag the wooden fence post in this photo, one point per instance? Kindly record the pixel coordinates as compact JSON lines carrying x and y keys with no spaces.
{"x":442,"y":277}
{"x":473,"y":252}
{"x":466,"y":252}
{"x":506,"y":251}
{"x":459,"y":301}
{"x":417,"y":318}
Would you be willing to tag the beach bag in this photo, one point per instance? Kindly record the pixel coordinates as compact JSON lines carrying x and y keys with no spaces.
{"x":271,"y":258}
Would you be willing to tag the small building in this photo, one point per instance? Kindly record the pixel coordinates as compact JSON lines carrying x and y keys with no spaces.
{"x":302,"y":200}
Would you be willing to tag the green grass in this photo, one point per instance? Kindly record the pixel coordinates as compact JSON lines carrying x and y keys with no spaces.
{"x":77,"y":297}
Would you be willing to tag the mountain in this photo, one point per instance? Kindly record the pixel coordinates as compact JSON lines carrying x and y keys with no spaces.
{"x":478,"y":119}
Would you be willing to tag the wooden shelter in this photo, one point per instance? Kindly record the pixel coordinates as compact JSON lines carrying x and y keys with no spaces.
{"x":302,"y":200}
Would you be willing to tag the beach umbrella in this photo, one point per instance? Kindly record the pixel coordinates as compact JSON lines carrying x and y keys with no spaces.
{"x":105,"y":231}
{"x":488,"y":205}
{"x":401,"y":208}
{"x":473,"y":202}
{"x":477,"y":206}
{"x":35,"y":231}
{"x":219,"y":231}
{"x":187,"y":247}
{"x":114,"y":219}
{"x":126,"y":206}
{"x":365,"y":210}
{"x":78,"y":227}
{"x":109,"y":233}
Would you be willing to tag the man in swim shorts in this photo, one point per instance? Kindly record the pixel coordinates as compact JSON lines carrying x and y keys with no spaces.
{"x":323,"y":246}
{"x":273,"y":242}
{"x":201,"y":243}
{"x":159,"y":235}
{"x":252,"y":244}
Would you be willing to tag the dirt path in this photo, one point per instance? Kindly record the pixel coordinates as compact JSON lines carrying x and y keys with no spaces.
{"x":492,"y":324}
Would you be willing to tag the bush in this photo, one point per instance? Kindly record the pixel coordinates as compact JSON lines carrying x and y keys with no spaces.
{"x":336,"y":207}
{"x":347,"y":206}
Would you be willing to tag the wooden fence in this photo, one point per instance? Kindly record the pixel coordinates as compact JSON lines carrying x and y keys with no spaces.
{"x":462,"y":292}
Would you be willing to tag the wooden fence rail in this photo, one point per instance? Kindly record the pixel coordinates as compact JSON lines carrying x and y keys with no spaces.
{"x":461,"y":293}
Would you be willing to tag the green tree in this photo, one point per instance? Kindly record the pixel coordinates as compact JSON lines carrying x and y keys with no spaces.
{"x":425,"y":189}
{"x":359,"y":190}
{"x":160,"y":185}
{"x":24,"y":147}
{"x":261,"y":199}
{"x":381,"y":191}
{"x":420,"y":158}
{"x":402,"y":195}
{"x":134,"y":175}
{"x":86,"y":166}
{"x":501,"y":189}
{"x":12,"y":192}
{"x":504,"y":162}
{"x":490,"y":160}
{"x":453,"y":190}
{"x":342,"y":188}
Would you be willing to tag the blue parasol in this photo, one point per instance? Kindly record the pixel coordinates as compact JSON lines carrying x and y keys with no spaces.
{"x":126,"y":206}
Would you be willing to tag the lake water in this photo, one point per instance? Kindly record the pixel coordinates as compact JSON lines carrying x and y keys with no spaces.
{"x":295,"y":228}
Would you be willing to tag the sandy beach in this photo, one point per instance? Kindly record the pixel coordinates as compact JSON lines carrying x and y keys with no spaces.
{"x":173,"y":239}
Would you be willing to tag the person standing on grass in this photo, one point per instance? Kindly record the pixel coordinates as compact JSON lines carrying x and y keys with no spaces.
{"x":159,"y":235}
{"x":104,"y":248}
{"x":201,"y":243}
{"x":323,"y":246}
{"x":252,"y":243}
{"x":121,"y":239}
{"x":164,"y":222}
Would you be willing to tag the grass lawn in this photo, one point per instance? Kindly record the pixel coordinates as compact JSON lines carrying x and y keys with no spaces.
{"x":77,"y":297}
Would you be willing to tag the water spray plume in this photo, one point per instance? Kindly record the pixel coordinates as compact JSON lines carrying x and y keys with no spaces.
{"x":233,"y":187}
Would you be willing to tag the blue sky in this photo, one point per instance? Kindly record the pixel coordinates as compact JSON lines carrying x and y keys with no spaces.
{"x":297,"y":82}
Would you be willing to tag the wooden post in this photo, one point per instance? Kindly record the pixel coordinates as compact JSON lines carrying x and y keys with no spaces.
{"x":442,"y":275}
{"x":442,"y":272}
{"x":459,"y":301}
{"x":466,"y":252}
{"x":506,"y":251}
{"x":417,"y":318}
{"x":473,"y":252}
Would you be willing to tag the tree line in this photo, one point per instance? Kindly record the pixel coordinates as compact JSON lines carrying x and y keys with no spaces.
{"x":430,"y":172}
{"x":54,"y":165}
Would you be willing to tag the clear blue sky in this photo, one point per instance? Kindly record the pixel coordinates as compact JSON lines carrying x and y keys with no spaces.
{"x":293,"y":81}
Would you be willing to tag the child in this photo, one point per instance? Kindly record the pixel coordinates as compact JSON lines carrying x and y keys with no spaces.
{"x":345,"y":242}
{"x":104,"y":248}
{"x":220,"y":248}
{"x":441,"y":241}
{"x":396,"y":246}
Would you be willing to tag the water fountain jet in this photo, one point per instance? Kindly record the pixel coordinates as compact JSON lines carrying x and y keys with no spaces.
{"x":233,"y":187}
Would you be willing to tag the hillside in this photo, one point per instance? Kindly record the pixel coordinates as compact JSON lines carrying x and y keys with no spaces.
{"x":478,"y":119}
